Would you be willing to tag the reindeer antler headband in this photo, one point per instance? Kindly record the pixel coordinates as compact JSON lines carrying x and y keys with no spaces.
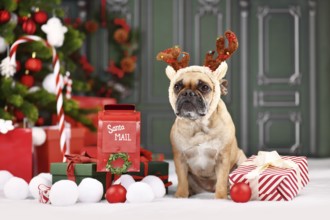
{"x":171,"y":55}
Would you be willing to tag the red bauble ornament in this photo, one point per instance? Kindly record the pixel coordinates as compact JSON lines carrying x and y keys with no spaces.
{"x":40,"y":121}
{"x":18,"y":115}
{"x":29,"y":26}
{"x":40,"y":17}
{"x":18,"y":66}
{"x":27,"y":80}
{"x":116,"y":194}
{"x":33,"y":64}
{"x":4,"y":16}
{"x":240,"y":192}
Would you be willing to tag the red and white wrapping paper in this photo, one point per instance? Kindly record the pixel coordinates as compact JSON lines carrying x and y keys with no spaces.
{"x":272,"y":177}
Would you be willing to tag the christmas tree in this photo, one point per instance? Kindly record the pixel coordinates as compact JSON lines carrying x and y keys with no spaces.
{"x":26,"y":86}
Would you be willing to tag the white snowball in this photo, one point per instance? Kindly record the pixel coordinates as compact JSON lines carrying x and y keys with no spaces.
{"x":64,"y":193}
{"x":38,"y":136}
{"x":125,"y":180}
{"x":90,"y":190}
{"x":47,"y":176}
{"x":34,"y":184}
{"x":16,"y":188}
{"x":140,"y":192}
{"x":156,"y":184}
{"x":4,"y":177}
{"x":49,"y":83}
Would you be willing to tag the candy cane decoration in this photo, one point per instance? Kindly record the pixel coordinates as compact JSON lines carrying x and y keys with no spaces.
{"x":44,"y":194}
{"x":59,"y":83}
{"x":68,"y":84}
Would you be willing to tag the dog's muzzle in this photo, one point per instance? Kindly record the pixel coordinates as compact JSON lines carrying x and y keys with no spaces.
{"x":190,"y":105}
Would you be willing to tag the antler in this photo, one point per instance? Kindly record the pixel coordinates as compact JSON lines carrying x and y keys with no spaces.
{"x":223,"y":53}
{"x":171,"y":56}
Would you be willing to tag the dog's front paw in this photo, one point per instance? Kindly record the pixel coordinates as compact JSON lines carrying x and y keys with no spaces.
{"x":181,"y":193}
{"x":221,"y":195}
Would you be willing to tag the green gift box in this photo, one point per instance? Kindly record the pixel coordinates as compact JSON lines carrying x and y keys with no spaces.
{"x":156,"y":168}
{"x":81,"y":171}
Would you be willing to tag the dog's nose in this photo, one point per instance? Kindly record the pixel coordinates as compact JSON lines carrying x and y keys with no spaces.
{"x":189,"y":92}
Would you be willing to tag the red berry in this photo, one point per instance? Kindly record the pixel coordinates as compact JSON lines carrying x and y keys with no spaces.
{"x":33,"y":64}
{"x":240,"y":192}
{"x":116,"y":194}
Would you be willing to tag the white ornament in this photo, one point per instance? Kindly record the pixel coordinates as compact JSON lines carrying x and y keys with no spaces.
{"x":13,"y":19}
{"x":55,"y":31}
{"x":156,"y":184}
{"x":3,"y":45}
{"x":16,"y":188}
{"x":47,"y":176}
{"x":64,"y":193}
{"x":38,"y":136}
{"x":7,"y":68}
{"x":34,"y":185}
{"x":33,"y":89}
{"x":125,"y":180}
{"x":90,"y":190}
{"x":5,"y":126}
{"x":140,"y":192}
{"x":4,"y":177}
{"x":49,"y":83}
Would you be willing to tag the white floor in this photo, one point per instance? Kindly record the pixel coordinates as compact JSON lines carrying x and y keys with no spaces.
{"x":312,"y":203}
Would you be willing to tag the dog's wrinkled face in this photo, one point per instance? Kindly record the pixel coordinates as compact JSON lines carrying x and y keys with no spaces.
{"x":192,"y":93}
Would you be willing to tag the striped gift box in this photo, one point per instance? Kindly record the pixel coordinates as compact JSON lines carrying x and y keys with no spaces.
{"x":274,"y":184}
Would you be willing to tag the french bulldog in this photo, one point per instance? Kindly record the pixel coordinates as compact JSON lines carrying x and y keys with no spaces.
{"x":203,"y":135}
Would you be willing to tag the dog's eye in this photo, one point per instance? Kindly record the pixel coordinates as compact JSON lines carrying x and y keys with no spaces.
{"x":205,"y":88}
{"x":177,"y":87}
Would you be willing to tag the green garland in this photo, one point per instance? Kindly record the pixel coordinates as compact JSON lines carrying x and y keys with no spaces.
{"x":118,"y":170}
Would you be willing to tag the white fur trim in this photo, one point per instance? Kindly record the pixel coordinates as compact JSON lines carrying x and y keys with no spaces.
{"x":221,"y":71}
{"x":170,"y":72}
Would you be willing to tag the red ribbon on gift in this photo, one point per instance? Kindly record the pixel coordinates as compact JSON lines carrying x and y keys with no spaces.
{"x":73,"y":159}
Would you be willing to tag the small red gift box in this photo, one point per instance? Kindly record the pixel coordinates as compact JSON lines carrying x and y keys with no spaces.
{"x":50,"y":151}
{"x":16,"y":153}
{"x":118,"y":138}
{"x":92,"y":102}
{"x":272,"y":177}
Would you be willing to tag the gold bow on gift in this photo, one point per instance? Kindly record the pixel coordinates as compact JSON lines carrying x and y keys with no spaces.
{"x":264,"y":160}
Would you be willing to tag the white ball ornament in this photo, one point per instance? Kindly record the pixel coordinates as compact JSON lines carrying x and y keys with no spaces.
{"x":16,"y":188}
{"x":49,"y":83}
{"x":140,"y":192}
{"x":90,"y":190}
{"x":33,"y":89}
{"x":156,"y":184}
{"x":4,"y":177}
{"x":38,"y":136}
{"x":125,"y":180}
{"x":47,"y":176}
{"x":64,"y":193}
{"x":3,"y":45}
{"x":34,"y":185}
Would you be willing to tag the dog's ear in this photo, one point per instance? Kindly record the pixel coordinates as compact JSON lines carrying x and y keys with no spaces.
{"x":221,"y":71}
{"x":170,"y":72}
{"x":224,"y":86}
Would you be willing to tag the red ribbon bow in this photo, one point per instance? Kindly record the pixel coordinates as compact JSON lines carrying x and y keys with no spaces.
{"x":73,"y":159}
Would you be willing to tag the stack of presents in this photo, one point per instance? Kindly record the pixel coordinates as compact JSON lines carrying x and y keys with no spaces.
{"x":104,"y":155}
